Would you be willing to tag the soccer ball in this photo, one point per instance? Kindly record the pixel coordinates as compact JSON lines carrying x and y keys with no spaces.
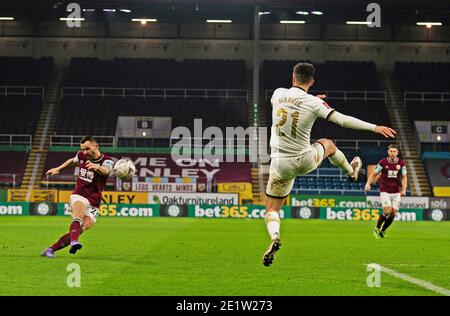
{"x":124,"y":169}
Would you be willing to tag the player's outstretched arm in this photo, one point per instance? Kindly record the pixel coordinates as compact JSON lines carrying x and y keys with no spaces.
{"x":354,"y":123}
{"x":53,"y":171}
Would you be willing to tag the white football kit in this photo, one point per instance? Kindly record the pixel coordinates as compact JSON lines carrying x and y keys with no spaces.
{"x":294,"y":112}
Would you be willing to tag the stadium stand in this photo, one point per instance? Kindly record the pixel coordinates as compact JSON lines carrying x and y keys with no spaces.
{"x":12,"y":163}
{"x":431,"y":77}
{"x":98,"y":116}
{"x":431,"y":81}
{"x":25,"y":71}
{"x":157,"y":73}
{"x":331,"y":75}
{"x":20,"y":104}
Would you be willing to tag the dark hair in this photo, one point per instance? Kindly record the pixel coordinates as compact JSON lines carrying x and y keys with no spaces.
{"x":304,"y":72}
{"x":394,"y":146}
{"x":87,"y":139}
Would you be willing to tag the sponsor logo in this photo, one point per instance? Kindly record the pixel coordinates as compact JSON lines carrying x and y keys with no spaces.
{"x":194,"y":198}
{"x":305,"y":213}
{"x":114,"y":210}
{"x":232,"y":211}
{"x":43,"y":209}
{"x":365,"y":215}
{"x":307,"y":201}
{"x":173,"y":211}
{"x":437,"y":215}
{"x":11,"y":210}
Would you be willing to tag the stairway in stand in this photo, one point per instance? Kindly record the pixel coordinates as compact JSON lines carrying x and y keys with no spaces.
{"x":41,"y":141}
{"x":409,"y":143}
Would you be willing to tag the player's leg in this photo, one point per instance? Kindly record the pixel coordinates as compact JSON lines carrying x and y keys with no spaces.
{"x":278,"y":188}
{"x":272,"y":219}
{"x":75,"y":230}
{"x":338,"y":159}
{"x":78,"y":211}
{"x":395,"y":198}
{"x":88,"y":222}
{"x":387,"y":208}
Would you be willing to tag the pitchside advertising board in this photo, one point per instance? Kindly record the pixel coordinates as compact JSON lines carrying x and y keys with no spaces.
{"x":219,"y":205}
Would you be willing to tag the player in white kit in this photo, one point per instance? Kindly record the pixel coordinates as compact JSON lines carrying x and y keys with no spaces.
{"x":294,"y":113}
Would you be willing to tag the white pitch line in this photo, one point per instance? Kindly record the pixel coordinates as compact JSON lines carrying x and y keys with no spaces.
{"x":424,"y":284}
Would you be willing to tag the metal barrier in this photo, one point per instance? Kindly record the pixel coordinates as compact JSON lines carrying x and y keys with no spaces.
{"x":74,"y":140}
{"x":344,"y":94}
{"x":22,"y":90}
{"x":15,"y":139}
{"x":6,"y":177}
{"x":426,"y":96}
{"x":154,"y":92}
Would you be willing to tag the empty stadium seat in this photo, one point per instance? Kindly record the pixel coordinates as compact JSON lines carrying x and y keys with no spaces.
{"x":157,"y":73}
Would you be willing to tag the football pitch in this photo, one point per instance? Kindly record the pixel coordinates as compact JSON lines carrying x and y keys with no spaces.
{"x":205,"y":257}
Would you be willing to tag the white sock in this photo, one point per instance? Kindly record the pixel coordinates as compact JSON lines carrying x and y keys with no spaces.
{"x":273,"y":224}
{"x":339,"y":160}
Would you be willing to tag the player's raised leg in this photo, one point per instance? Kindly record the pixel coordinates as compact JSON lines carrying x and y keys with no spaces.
{"x":338,"y":159}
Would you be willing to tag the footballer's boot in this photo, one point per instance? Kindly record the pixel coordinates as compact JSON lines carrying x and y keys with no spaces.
{"x":49,"y":253}
{"x":382,"y":235}
{"x":75,"y":246}
{"x":269,"y":255}
{"x":376,"y":233}
{"x":356,"y":165}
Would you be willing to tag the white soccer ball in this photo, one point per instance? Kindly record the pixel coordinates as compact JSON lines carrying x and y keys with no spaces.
{"x":124,"y":169}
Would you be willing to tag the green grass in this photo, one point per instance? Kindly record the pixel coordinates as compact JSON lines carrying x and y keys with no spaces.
{"x":187,"y":256}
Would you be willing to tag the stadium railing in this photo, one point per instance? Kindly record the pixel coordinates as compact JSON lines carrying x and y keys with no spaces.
{"x":6,"y":177}
{"x":425,"y":96}
{"x":15,"y":139}
{"x":74,"y":140}
{"x":345,"y":95}
{"x":154,"y":92}
{"x":22,"y":90}
{"x":356,"y":144}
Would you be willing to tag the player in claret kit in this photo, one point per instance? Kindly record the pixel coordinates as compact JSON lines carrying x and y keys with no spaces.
{"x":393,"y":184}
{"x":93,"y":170}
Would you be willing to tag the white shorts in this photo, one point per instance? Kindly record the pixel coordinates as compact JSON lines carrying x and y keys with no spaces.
{"x":390,"y":200}
{"x":91,"y":211}
{"x":283,"y":171}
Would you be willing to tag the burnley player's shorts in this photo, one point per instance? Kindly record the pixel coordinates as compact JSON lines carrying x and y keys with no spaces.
{"x":390,"y":200}
{"x":91,"y":211}
{"x":283,"y":171}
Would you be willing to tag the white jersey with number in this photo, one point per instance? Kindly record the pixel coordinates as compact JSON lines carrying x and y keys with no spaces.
{"x":293,"y":114}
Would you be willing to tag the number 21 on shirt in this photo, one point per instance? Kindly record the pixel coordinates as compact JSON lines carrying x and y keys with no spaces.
{"x":281,"y":128}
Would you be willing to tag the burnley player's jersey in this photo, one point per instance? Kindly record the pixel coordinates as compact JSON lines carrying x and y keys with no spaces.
{"x":391,"y":174}
{"x":91,"y":184}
